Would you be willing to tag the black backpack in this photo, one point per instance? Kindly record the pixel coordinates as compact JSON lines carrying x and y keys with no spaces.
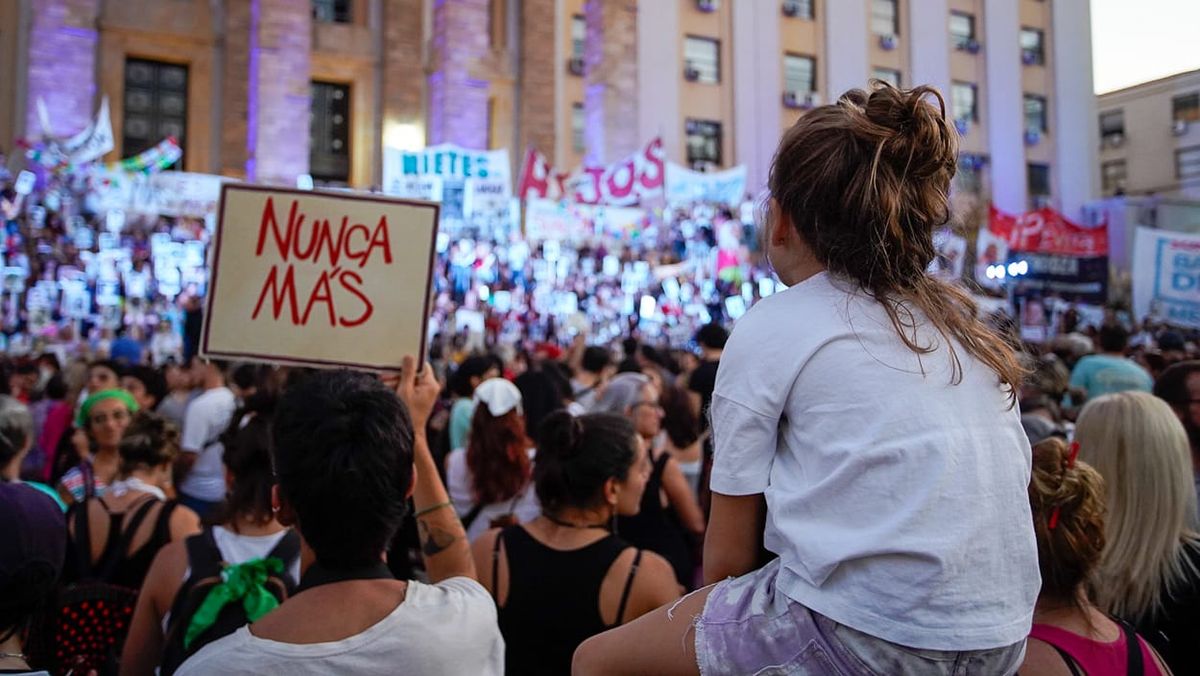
{"x":85,"y":629}
{"x":204,"y":558}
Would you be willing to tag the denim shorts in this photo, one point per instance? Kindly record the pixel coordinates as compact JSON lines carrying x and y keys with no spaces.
{"x":747,"y":627}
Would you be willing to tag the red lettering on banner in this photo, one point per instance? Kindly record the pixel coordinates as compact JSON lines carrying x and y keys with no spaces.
{"x":356,"y":242}
{"x":620,"y":180}
{"x":656,"y":162}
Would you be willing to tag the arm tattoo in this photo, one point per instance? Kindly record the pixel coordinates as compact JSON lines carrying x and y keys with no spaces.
{"x":435,"y":539}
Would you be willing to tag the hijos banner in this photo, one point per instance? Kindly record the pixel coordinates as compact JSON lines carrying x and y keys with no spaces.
{"x":636,"y":179}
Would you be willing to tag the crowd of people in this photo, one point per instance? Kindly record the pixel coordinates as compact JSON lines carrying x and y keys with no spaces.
{"x":843,"y":484}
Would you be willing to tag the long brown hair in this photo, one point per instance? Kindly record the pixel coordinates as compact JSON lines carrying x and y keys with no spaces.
{"x":497,"y":455}
{"x":866,"y":181}
{"x":1068,"y":508}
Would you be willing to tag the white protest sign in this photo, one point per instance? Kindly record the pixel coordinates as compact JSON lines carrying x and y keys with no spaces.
{"x":24,"y":184}
{"x":319,"y":278}
{"x":1166,"y":276}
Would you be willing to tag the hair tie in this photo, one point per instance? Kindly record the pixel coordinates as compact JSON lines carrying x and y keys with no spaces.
{"x":1068,"y":465}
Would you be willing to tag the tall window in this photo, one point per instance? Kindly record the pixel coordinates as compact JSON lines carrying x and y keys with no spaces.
{"x":155,"y":105}
{"x":1035,"y":114}
{"x":1033,"y":46}
{"x":578,"y":35}
{"x":799,"y":73}
{"x":1038,"y":176}
{"x":703,"y":143}
{"x":1112,"y":124}
{"x":888,"y":75}
{"x":329,"y":133}
{"x":577,"y":124}
{"x":1112,"y":176}
{"x":799,"y":9}
{"x":885,"y":17}
{"x":702,"y":60}
{"x":331,"y":11}
{"x":962,"y":30}
{"x":1187,"y":163}
{"x":1186,"y":108}
{"x":965,"y":101}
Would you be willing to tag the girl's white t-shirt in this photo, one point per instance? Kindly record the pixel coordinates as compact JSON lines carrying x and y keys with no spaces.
{"x":524,"y":506}
{"x":896,"y":500}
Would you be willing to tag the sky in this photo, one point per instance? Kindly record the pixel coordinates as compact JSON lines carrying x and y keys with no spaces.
{"x":1136,"y":41}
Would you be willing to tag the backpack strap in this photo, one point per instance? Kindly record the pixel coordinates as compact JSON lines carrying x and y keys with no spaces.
{"x":204,"y":557}
{"x":1133,"y":650}
{"x":89,"y":480}
{"x":127,"y":535}
{"x":496,"y":567}
{"x":637,"y":559}
{"x":83,"y":539}
{"x":1071,"y":664}
{"x":286,"y":550}
{"x":471,"y":516}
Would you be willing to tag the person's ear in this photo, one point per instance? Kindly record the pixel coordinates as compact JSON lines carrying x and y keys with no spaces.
{"x":284,"y":513}
{"x":612,"y":491}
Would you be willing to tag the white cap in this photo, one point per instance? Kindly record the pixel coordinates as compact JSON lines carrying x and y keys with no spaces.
{"x":500,"y":395}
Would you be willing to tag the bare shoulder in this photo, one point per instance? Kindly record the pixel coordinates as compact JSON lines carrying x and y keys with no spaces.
{"x":184,"y":522}
{"x":165,"y":576}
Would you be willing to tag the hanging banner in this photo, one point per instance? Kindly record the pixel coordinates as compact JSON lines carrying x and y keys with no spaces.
{"x":319,"y":278}
{"x":94,"y":141}
{"x":579,"y":224}
{"x":1049,"y":232}
{"x":685,"y":186}
{"x":1075,"y":279}
{"x":167,"y":193}
{"x":636,"y":179}
{"x":1166,"y":277}
{"x":152,"y":160}
{"x":456,"y":177}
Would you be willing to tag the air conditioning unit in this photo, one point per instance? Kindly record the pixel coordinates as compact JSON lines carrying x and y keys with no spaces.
{"x":1180,"y":127}
{"x":1033,"y":137}
{"x":691,"y":73}
{"x":792,"y":100}
{"x":791,"y":8}
{"x":1114,"y":140}
{"x":1029,"y":57}
{"x":972,"y":46}
{"x":812,"y":100}
{"x":575,"y":65}
{"x":801,"y":100}
{"x":887,"y":42}
{"x":963,"y":126}
{"x":706,"y":5}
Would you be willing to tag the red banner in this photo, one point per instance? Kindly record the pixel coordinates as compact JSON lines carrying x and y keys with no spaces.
{"x":625,"y":183}
{"x":1049,"y":232}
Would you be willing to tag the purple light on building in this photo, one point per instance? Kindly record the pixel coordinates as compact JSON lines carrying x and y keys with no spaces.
{"x":252,"y":92}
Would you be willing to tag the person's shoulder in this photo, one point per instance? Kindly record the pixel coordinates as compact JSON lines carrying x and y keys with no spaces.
{"x":1041,"y":659}
{"x":457,"y":600}
{"x":227,"y":655}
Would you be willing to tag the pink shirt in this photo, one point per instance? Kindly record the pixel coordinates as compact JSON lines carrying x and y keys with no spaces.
{"x":1096,"y":657}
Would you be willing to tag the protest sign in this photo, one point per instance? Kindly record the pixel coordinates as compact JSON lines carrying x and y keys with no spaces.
{"x":951,"y":255}
{"x":168,"y":193}
{"x":319,"y":278}
{"x":1079,"y":279}
{"x":578,"y":224}
{"x":1166,"y":276}
{"x":635,"y":179}
{"x":25,"y":182}
{"x":722,"y":187}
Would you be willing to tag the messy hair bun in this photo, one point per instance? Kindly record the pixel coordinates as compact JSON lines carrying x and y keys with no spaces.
{"x":865,"y":182}
{"x":1068,"y":552}
{"x":149,"y":441}
{"x":576,"y":455}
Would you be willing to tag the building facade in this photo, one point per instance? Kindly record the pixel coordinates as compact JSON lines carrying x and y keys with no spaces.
{"x":1149,"y":139}
{"x":273,"y":89}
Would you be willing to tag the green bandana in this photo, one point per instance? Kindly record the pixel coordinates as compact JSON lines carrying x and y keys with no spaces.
{"x":85,"y":410}
{"x":244,"y":582}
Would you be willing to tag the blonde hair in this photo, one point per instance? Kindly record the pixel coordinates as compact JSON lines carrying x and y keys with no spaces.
{"x":1139,"y":446}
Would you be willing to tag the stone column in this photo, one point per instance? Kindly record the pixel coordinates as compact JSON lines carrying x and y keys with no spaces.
{"x":540,"y":66}
{"x":403,"y":67}
{"x":1005,"y":114}
{"x":611,"y":95}
{"x":62,"y":65}
{"x":458,"y":101}
{"x":280,"y":91}
{"x":235,"y":99}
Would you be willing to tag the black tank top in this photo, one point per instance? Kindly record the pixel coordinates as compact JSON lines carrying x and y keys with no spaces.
{"x":121,"y":567}
{"x":553,"y":601}
{"x":658,"y":529}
